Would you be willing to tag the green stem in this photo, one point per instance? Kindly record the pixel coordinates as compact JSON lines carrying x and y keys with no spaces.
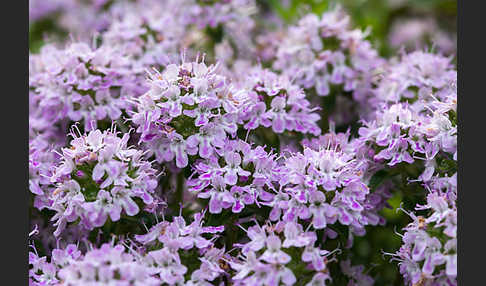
{"x":179,"y":193}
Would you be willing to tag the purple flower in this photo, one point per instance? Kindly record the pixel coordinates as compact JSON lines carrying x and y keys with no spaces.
{"x":288,"y":110}
{"x":115,"y":174}
{"x":233,"y":169}
{"x":274,"y":254}
{"x":316,"y":257}
{"x":177,"y":235}
{"x":167,"y":266}
{"x":209,"y":137}
{"x":232,"y":185}
{"x":189,"y":104}
{"x":203,"y":111}
{"x":294,"y":236}
{"x":277,"y":115}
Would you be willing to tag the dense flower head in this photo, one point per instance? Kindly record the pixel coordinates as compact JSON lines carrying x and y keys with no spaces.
{"x":120,"y":264}
{"x":429,"y":251}
{"x":267,"y":43}
{"x":175,"y":238}
{"x":322,"y":53}
{"x":136,"y":20}
{"x":42,"y":164}
{"x":152,"y":37}
{"x":240,"y":175}
{"x":400,"y":132}
{"x":422,"y":130}
{"x":137,"y":28}
{"x":272,"y":100}
{"x":100,"y":176}
{"x":78,"y":83}
{"x":108,"y":265}
{"x":417,"y":75}
{"x":275,"y":251}
{"x":324,"y":187}
{"x":178,"y":235}
{"x":189,"y":110}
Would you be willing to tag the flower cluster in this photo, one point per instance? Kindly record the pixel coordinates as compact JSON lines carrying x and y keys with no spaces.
{"x":98,"y":177}
{"x":42,"y":164}
{"x":326,"y":186}
{"x":151,"y":36}
{"x":275,"y":251}
{"x":402,"y":130}
{"x":416,"y":76}
{"x":240,"y":176}
{"x":107,"y":265}
{"x":176,"y":236}
{"x":78,"y":83}
{"x":324,"y":55}
{"x":272,"y":100}
{"x":429,"y":250}
{"x":139,"y":20}
{"x":189,"y":110}
{"x":434,"y":117}
{"x":280,"y":147}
